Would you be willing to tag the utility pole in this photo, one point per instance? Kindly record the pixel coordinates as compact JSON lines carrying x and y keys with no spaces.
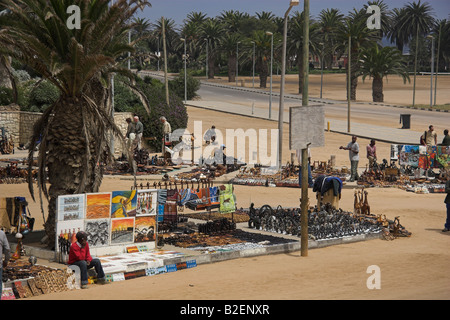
{"x":304,"y":200}
{"x":349,"y":80}
{"x":165,"y":61}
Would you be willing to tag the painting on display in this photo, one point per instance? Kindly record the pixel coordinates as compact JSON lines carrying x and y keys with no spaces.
{"x":409,"y":155}
{"x":146,"y":202}
{"x":122,"y":230}
{"x":69,"y":226}
{"x":145,"y":229}
{"x":98,"y":205}
{"x":71,"y":207}
{"x":97,"y":231}
{"x":123,"y":204}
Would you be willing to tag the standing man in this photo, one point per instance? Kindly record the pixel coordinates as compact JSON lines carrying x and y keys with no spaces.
{"x":371,"y":153}
{"x":429,"y":138}
{"x":447,"y":203}
{"x":4,"y":250}
{"x":131,"y":133}
{"x":80,"y":256}
{"x":299,"y":157}
{"x":446,"y":140}
{"x":139,"y":130}
{"x":353,"y":153}
{"x":167,"y":130}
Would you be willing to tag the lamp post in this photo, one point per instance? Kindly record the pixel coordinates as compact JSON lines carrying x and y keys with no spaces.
{"x":158,"y":53}
{"x":237,"y":61}
{"x":271,"y":67}
{"x":253,"y":64}
{"x":283,"y":70}
{"x":206,"y":40}
{"x":185,"y":79}
{"x":349,"y":81}
{"x":432,"y":69}
{"x":321,"y":70}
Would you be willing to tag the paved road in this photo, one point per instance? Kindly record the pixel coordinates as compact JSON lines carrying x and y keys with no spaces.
{"x":368,"y":120}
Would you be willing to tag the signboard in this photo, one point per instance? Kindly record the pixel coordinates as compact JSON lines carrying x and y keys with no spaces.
{"x":306,"y":126}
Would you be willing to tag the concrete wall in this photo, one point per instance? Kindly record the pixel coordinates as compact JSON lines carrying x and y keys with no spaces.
{"x":19,"y":124}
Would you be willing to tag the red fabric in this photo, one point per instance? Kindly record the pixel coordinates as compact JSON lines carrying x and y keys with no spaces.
{"x":76,"y":253}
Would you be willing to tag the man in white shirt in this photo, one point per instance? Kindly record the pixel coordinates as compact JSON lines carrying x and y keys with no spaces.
{"x":353,"y":153}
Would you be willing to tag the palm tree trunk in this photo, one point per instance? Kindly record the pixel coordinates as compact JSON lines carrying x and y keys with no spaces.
{"x":377,"y":90}
{"x":66,"y":162}
{"x":211,"y":66}
{"x":231,"y":68}
{"x":263,"y":69}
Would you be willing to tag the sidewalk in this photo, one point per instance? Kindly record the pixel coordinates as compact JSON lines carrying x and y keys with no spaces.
{"x":379,"y":133}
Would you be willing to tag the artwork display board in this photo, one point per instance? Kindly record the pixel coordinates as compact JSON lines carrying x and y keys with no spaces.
{"x":110,"y":219}
{"x":424,"y":157}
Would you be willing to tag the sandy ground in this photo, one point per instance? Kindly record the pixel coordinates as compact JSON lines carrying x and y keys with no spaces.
{"x":334,"y":87}
{"x":410,"y":268}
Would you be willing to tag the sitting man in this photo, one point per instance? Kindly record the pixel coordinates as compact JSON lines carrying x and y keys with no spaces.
{"x":80,"y":256}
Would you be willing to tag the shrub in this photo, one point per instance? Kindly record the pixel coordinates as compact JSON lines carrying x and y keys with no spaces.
{"x":6,"y":96}
{"x":177,"y":86}
{"x":43,"y":95}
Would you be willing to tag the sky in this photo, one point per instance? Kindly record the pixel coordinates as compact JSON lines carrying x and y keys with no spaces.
{"x":177,"y":10}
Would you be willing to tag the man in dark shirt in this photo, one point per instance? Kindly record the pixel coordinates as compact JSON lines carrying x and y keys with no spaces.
{"x":446,"y":140}
{"x":447,"y":202}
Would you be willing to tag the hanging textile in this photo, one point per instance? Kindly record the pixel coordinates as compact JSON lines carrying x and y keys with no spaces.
{"x":170,"y":211}
{"x":183,"y":197}
{"x":214,"y":197}
{"x":226,"y":199}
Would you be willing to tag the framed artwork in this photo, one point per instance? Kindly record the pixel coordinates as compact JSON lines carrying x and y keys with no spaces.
{"x":71,"y":207}
{"x":97,"y":231}
{"x":145,"y":229}
{"x":123,"y":204}
{"x":146,"y":202}
{"x":69,"y":226}
{"x":98,"y":205}
{"x":122,"y":230}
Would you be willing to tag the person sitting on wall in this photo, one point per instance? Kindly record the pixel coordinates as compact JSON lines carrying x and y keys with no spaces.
{"x":80,"y":256}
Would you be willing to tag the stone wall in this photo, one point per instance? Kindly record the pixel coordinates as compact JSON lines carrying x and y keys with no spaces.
{"x":19,"y":125}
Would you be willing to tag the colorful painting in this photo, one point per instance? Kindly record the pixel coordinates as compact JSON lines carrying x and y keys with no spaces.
{"x":71,"y":207}
{"x":123,"y":204}
{"x":122,"y":230}
{"x":67,"y":228}
{"x":98,"y":205}
{"x":97,"y":231}
{"x":145,"y":229}
{"x":409,"y":156}
{"x":146,"y":202}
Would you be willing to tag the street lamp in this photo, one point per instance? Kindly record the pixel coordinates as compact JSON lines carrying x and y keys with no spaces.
{"x":271,"y":66}
{"x":253,"y":63}
{"x":206,"y":40}
{"x":185,"y":79}
{"x":432,"y":69}
{"x":321,"y":70}
{"x":237,"y":62}
{"x":283,"y":70}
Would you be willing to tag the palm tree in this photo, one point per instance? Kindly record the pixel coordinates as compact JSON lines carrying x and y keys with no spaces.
{"x":329,"y":22}
{"x":229,"y":47}
{"x":417,"y":20}
{"x":396,"y":34}
{"x":76,"y":129}
{"x":377,"y":63}
{"x":295,"y":42}
{"x":354,"y":27}
{"x":262,"y":55}
{"x":212,"y":31}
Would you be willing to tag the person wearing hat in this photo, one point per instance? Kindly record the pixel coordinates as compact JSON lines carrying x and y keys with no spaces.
{"x":80,"y":256}
{"x":219,"y":155}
